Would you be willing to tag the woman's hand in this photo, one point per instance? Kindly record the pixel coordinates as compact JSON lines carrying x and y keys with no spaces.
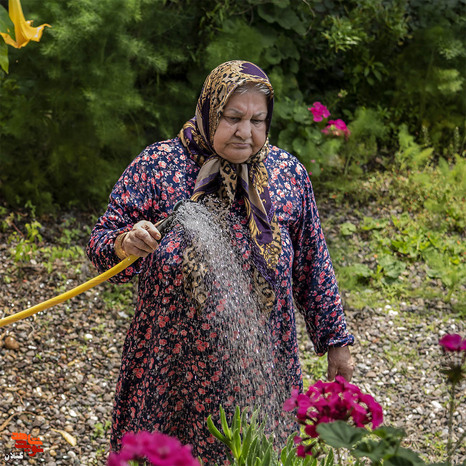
{"x":142,"y":240}
{"x":340,"y":362}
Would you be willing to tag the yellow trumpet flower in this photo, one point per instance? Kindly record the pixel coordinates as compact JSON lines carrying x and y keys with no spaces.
{"x":24,"y":32}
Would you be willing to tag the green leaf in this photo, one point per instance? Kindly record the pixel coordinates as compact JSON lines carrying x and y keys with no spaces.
{"x":374,"y":450}
{"x":273,"y":56}
{"x":214,"y":431}
{"x":361,"y":270}
{"x":392,"y":434}
{"x":267,"y":457}
{"x":281,"y":3}
{"x":6,"y":25}
{"x":370,"y":223}
{"x":225,"y":426}
{"x":404,"y":457}
{"x":236,"y":420}
{"x":247,"y":441}
{"x":288,"y":460}
{"x":252,"y":452}
{"x":339,"y":434}
{"x":330,"y":460}
{"x":285,"y":17}
{"x":347,"y":228}
{"x":236,"y":443}
{"x":4,"y":56}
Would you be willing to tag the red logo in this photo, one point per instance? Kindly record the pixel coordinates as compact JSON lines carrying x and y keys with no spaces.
{"x":26,"y":442}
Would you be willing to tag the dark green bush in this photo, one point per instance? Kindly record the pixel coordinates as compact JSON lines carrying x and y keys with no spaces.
{"x":112,"y":76}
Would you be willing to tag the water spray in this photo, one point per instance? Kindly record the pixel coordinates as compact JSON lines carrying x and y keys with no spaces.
{"x":163,"y":227}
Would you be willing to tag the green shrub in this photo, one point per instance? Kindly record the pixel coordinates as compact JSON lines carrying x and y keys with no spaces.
{"x":112,"y":76}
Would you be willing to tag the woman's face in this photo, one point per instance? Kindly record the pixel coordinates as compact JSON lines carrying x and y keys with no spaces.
{"x":241,"y":131}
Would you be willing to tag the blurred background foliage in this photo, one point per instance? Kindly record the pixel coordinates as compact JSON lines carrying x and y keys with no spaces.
{"x":113,"y":76}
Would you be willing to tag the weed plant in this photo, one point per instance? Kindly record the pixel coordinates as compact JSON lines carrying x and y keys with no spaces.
{"x":410,"y":243}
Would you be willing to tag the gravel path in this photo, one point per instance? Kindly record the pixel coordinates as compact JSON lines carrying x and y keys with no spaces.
{"x":58,"y":369}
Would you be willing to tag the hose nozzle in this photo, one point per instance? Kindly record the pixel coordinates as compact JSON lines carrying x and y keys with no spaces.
{"x":166,"y":224}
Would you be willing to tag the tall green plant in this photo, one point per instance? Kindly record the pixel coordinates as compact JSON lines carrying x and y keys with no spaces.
{"x":113,"y":76}
{"x":76,"y":111}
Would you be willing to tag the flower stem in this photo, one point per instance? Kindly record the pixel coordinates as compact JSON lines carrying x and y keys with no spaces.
{"x":450,"y":422}
{"x":457,"y":444}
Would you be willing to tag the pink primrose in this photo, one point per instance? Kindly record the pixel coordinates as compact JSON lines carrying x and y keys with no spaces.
{"x":453,"y":343}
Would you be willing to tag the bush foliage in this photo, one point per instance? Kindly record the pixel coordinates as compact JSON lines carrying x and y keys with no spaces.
{"x":112,"y":76}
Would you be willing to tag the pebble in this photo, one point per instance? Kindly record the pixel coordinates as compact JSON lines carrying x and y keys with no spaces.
{"x":383,"y":352}
{"x":436,"y":405}
{"x":11,"y":344}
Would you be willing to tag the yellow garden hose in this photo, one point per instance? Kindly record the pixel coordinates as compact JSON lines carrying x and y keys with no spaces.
{"x":70,"y":294}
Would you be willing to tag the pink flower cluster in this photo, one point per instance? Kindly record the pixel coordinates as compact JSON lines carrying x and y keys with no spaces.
{"x":337,"y":128}
{"x":334,"y":127}
{"x":453,"y":343}
{"x":159,"y":449}
{"x":326,"y":402}
{"x":319,"y":111}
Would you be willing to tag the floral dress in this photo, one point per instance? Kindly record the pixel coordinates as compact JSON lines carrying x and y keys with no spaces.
{"x":170,"y":378}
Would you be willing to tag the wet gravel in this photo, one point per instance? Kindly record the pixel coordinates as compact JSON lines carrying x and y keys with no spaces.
{"x":59,"y":368}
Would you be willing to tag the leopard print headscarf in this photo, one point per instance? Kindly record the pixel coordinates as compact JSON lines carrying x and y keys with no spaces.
{"x":220,"y":177}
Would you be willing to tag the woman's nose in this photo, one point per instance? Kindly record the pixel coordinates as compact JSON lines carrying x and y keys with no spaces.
{"x":244,"y":129}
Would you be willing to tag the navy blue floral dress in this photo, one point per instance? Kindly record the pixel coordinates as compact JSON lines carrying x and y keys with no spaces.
{"x":169,"y":377}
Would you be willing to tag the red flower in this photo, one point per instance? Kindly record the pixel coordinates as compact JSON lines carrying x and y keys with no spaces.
{"x":453,"y":343}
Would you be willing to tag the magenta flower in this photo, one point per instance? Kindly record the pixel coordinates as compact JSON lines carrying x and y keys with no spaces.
{"x":337,"y":128}
{"x":329,"y":402}
{"x":291,"y":403}
{"x":319,"y":111}
{"x":453,"y":343}
{"x":159,"y":449}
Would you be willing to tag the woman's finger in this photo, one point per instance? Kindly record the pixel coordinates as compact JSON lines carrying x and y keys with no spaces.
{"x":142,"y":240}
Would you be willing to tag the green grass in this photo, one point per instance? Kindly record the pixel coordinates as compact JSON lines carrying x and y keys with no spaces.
{"x":408,"y":242}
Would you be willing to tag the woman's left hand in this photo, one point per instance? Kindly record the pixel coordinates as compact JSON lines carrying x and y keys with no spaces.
{"x":340,"y":362}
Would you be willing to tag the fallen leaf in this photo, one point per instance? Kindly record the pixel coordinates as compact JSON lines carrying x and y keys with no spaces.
{"x":68,"y":437}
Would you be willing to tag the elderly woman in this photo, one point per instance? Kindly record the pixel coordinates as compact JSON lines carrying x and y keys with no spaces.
{"x":222,"y":154}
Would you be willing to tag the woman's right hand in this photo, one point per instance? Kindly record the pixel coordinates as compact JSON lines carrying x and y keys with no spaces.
{"x":142,"y":240}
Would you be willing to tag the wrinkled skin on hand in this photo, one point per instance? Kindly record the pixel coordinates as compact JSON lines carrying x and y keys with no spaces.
{"x":142,"y":240}
{"x":340,"y":362}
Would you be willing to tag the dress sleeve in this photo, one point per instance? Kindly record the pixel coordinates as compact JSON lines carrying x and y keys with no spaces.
{"x":315,"y":288}
{"x":133,"y":198}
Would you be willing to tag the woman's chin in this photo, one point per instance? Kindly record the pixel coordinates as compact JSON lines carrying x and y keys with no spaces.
{"x":237,"y":156}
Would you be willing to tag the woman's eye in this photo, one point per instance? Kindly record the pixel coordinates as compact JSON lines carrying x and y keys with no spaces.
{"x":257,"y":122}
{"x":232,"y":119}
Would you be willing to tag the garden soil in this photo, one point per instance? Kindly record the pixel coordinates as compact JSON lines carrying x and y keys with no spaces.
{"x":58,"y":369}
